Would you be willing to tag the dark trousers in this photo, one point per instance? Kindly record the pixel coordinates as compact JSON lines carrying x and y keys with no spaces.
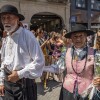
{"x":22,"y":90}
{"x":66,"y":95}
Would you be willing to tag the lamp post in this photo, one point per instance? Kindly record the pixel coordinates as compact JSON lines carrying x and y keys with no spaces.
{"x":89,"y":13}
{"x":19,"y":6}
{"x":73,"y":18}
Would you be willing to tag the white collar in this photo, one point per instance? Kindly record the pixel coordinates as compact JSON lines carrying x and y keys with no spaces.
{"x":16,"y":32}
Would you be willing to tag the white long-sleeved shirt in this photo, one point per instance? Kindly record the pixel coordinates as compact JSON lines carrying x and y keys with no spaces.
{"x":21,"y":52}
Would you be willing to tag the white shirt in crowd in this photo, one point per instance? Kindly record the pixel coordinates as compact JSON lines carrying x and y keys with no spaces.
{"x":22,"y":52}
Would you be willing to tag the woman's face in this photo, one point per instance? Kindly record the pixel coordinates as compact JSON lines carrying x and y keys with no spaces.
{"x":64,"y":32}
{"x":41,"y":34}
{"x":79,"y":39}
{"x":98,"y":37}
{"x":98,"y":33}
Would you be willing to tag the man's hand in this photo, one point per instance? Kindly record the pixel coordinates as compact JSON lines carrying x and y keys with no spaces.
{"x":1,"y":90}
{"x":96,"y":82}
{"x":13,"y":77}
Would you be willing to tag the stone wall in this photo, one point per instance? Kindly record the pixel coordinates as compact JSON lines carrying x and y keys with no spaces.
{"x":28,"y":8}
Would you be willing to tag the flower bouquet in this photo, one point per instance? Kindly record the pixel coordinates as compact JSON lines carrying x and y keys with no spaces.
{"x":97,"y":64}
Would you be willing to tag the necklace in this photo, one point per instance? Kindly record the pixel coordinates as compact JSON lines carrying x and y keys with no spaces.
{"x":76,"y":66}
{"x":75,"y":89}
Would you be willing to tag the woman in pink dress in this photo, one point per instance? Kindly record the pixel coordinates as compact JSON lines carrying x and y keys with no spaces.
{"x":79,"y":63}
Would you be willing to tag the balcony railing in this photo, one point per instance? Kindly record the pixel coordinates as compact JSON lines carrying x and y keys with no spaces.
{"x":50,"y":1}
{"x":58,"y":1}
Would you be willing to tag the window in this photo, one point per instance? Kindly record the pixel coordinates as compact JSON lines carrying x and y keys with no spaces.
{"x":92,"y":1}
{"x":81,"y":4}
{"x":95,"y":4}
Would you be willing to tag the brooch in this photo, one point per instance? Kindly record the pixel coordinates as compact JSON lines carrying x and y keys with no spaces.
{"x":89,"y":59}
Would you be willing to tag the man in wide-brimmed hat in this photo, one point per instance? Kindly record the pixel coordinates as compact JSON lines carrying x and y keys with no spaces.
{"x":80,"y":64}
{"x":22,"y":58}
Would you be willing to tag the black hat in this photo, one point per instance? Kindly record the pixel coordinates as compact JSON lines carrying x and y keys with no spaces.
{"x":79,"y":28}
{"x":11,"y":9}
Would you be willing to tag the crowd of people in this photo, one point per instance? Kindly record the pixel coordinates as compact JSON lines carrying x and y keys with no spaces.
{"x":29,"y":54}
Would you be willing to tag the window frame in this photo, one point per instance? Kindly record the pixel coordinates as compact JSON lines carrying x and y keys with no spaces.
{"x":83,"y":8}
{"x":94,"y":9}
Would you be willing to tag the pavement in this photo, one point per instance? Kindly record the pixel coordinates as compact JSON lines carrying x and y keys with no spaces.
{"x":51,"y":93}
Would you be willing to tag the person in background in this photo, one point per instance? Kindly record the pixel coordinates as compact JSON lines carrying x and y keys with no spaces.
{"x":67,"y":41}
{"x":79,"y":63}
{"x":0,"y":49}
{"x":43,"y":43}
{"x":51,"y":46}
{"x":50,"y":49}
{"x":33,"y":29}
{"x":59,"y":45}
{"x":95,"y":40}
{"x":90,"y":40}
{"x":21,"y":56}
{"x":96,"y":81}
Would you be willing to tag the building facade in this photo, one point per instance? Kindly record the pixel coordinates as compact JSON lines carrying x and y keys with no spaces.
{"x":35,"y":10}
{"x":86,"y":12}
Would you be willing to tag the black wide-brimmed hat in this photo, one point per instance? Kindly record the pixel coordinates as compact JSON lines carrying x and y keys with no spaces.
{"x":12,"y":10}
{"x":79,"y":28}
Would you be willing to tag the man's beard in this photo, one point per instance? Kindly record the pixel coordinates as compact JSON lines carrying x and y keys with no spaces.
{"x":10,"y":28}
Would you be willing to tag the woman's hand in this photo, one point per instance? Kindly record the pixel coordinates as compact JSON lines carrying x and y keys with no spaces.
{"x":96,"y":81}
{"x":1,"y":90}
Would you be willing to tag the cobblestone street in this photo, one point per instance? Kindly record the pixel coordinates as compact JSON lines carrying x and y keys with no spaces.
{"x":51,"y":93}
